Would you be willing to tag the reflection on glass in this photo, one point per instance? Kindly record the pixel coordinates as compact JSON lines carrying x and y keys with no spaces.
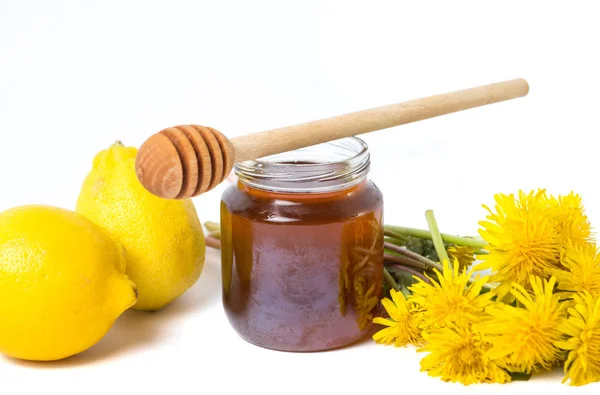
{"x":361,"y":274}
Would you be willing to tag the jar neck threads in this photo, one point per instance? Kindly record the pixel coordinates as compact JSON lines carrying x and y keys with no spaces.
{"x":327,"y":167}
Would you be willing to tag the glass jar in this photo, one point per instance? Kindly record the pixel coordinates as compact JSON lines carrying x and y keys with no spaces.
{"x":302,"y":248}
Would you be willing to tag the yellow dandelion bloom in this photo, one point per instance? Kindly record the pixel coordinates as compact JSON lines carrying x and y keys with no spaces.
{"x":583,"y":344}
{"x":458,"y":354}
{"x":571,"y":223}
{"x":450,"y":299}
{"x":522,"y":240}
{"x":524,"y":337}
{"x":463,"y":254}
{"x":581,"y":270}
{"x":402,"y":327}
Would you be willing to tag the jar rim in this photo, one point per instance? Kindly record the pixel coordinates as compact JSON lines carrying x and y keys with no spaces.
{"x":326,"y":167}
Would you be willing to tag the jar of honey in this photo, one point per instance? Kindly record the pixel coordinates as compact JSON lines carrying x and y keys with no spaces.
{"x":302,"y":248}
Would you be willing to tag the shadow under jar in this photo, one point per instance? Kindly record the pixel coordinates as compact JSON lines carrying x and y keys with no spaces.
{"x":302,"y":248}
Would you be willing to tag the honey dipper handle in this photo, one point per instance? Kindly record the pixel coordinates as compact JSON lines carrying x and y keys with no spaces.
{"x":274,"y":141}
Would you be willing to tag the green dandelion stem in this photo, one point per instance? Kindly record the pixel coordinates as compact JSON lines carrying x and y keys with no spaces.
{"x":436,"y":236}
{"x":213,"y":242}
{"x":216,"y":235}
{"x":212,"y":226}
{"x":390,"y":279}
{"x":405,"y":291}
{"x":404,"y":260}
{"x":395,"y":235}
{"x":394,"y":241}
{"x":426,"y":234}
{"x":411,"y":271}
{"x":424,"y":263}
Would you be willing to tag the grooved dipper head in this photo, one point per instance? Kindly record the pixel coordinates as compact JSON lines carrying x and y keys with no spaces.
{"x":184,"y":161}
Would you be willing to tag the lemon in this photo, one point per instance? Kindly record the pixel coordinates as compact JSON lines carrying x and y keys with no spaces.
{"x":163,"y":239}
{"x":62,"y":283}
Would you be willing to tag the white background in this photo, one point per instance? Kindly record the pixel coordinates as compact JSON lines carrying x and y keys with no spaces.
{"x":77,"y":75}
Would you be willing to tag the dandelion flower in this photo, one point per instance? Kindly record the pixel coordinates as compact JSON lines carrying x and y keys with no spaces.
{"x":458,"y":354}
{"x":583,"y":331}
{"x":465,"y":255}
{"x":571,"y":223}
{"x":524,"y":337}
{"x":582,"y":270}
{"x":450,"y":299}
{"x":522,"y":239}
{"x":402,"y":327}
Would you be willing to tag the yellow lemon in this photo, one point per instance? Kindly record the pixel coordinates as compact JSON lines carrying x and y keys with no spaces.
{"x":163,"y":239}
{"x":62,"y":283}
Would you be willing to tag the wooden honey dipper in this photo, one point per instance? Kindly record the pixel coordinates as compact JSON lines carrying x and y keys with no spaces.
{"x":185,"y":161}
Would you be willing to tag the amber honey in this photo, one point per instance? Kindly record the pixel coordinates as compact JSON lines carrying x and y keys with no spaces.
{"x":302,"y":260}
